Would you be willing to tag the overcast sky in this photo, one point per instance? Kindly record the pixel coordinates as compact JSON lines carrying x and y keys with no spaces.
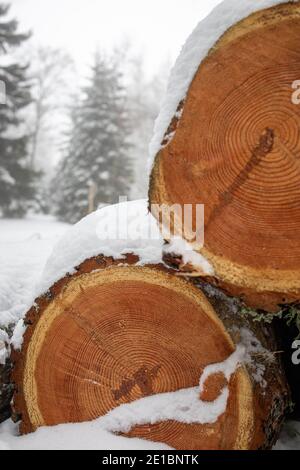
{"x":158,"y":28}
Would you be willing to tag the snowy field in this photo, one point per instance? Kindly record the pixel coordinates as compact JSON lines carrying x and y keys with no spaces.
{"x":24,"y":248}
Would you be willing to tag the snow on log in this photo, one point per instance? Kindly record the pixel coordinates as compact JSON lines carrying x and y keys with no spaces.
{"x":124,"y":339}
{"x":227,"y":137}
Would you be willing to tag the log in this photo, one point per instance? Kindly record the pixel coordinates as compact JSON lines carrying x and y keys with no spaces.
{"x":115,"y":332}
{"x":233,"y":146}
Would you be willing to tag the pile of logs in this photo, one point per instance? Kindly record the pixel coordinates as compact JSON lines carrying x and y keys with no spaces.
{"x":115,"y":331}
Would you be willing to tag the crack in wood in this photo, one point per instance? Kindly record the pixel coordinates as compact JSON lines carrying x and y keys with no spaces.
{"x":265,"y":146}
{"x":143,"y":378}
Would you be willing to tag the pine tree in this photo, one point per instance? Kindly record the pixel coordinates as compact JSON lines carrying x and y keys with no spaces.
{"x":16,"y":180}
{"x":97,"y":168}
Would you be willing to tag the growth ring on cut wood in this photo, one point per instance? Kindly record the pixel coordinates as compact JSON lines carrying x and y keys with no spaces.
{"x":236,"y":150}
{"x":105,"y":337}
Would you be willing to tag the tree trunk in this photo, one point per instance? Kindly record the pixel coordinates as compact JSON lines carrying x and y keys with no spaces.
{"x":233,"y":146}
{"x":115,"y":332}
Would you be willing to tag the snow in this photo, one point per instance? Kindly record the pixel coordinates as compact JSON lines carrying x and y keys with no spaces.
{"x":81,"y":436}
{"x":24,"y":247}
{"x":248,"y":352}
{"x":193,"y":52}
{"x":290,"y":437}
{"x":105,"y":175}
{"x":227,"y":367}
{"x":90,"y":436}
{"x":183,"y":406}
{"x":181,"y":247}
{"x":112,"y":231}
{"x":3,"y":353}
{"x":4,"y":341}
{"x":256,"y":355}
{"x":5,"y":176}
{"x":18,"y":335}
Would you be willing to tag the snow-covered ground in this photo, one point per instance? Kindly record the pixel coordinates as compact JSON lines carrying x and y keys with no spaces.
{"x":24,"y":248}
{"x":84,"y":436}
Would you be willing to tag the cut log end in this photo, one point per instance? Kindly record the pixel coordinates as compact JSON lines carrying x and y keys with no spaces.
{"x":112,"y":334}
{"x":235,"y":149}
